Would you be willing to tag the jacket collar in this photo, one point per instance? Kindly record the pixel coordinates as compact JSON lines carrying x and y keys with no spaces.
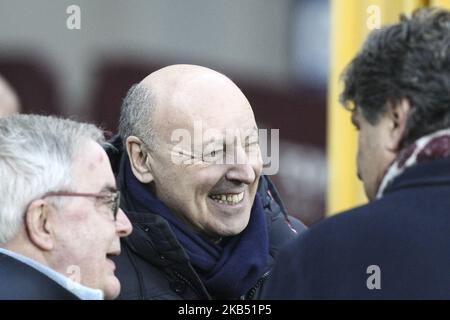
{"x":429,"y":173}
{"x":80,"y":291}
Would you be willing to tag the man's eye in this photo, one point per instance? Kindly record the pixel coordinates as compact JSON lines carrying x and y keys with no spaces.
{"x":183,"y":154}
{"x":212,"y":155}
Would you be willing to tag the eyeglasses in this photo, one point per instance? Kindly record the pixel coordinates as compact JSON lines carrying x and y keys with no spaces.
{"x":110,"y":197}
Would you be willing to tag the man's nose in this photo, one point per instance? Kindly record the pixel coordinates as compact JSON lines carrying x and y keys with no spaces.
{"x":241,"y":168}
{"x":241,"y":172}
{"x":123,"y":225}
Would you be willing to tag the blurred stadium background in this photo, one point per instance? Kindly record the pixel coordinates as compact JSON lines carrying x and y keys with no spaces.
{"x":285,"y":55}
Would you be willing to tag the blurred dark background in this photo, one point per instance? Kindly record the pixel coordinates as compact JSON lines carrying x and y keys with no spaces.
{"x":275,"y":51}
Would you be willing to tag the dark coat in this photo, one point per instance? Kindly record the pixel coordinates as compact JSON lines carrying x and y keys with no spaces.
{"x":153,"y":265}
{"x":406,"y":234}
{"x":19,"y":281}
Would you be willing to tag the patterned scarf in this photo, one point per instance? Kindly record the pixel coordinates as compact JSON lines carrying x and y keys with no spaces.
{"x":430,"y":147}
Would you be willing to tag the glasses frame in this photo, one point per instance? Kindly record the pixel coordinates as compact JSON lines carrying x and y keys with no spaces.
{"x":113,"y":196}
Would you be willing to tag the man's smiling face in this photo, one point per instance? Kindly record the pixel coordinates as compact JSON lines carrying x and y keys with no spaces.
{"x":214,"y":192}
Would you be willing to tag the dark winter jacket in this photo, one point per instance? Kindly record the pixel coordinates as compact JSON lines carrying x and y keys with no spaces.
{"x":19,"y":281}
{"x":153,"y":265}
{"x":397,"y":247}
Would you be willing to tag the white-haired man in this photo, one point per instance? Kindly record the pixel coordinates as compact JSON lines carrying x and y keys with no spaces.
{"x":60,"y":221}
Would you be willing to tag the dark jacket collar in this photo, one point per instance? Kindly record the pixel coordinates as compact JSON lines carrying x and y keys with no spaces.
{"x":428,"y":173}
{"x":22,"y":282}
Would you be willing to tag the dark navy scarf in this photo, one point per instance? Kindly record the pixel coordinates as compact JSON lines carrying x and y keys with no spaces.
{"x":229,"y":269}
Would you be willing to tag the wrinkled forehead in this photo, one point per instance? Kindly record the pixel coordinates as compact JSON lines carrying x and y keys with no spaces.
{"x":206,"y":103}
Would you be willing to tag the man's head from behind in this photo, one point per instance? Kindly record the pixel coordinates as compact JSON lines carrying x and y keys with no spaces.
{"x":214,"y":197}
{"x":9,"y":102}
{"x":57,"y":204}
{"x":399,"y":87}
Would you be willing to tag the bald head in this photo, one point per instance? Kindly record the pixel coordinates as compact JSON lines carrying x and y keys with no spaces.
{"x":204,"y":162}
{"x":178,"y":82}
{"x":9,"y":102}
{"x":176,"y":96}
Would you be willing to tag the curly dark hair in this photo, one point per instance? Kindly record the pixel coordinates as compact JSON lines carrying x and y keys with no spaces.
{"x":410,"y":59}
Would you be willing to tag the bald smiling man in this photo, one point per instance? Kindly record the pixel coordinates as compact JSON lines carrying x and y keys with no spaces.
{"x":207,"y":223}
{"x":9,"y":102}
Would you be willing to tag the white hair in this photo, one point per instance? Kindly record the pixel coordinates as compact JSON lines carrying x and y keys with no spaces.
{"x":36,"y":157}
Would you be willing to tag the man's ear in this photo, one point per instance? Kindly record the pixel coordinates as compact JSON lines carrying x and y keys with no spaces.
{"x":38,"y":225}
{"x":397,"y":116}
{"x":138,"y":160}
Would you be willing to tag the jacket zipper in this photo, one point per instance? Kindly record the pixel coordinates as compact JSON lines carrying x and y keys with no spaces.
{"x":189,"y":283}
{"x":249,"y":295}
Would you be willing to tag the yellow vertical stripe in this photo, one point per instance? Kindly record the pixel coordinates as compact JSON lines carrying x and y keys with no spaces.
{"x":440,"y":3}
{"x":343,"y":187}
{"x":349,"y":27}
